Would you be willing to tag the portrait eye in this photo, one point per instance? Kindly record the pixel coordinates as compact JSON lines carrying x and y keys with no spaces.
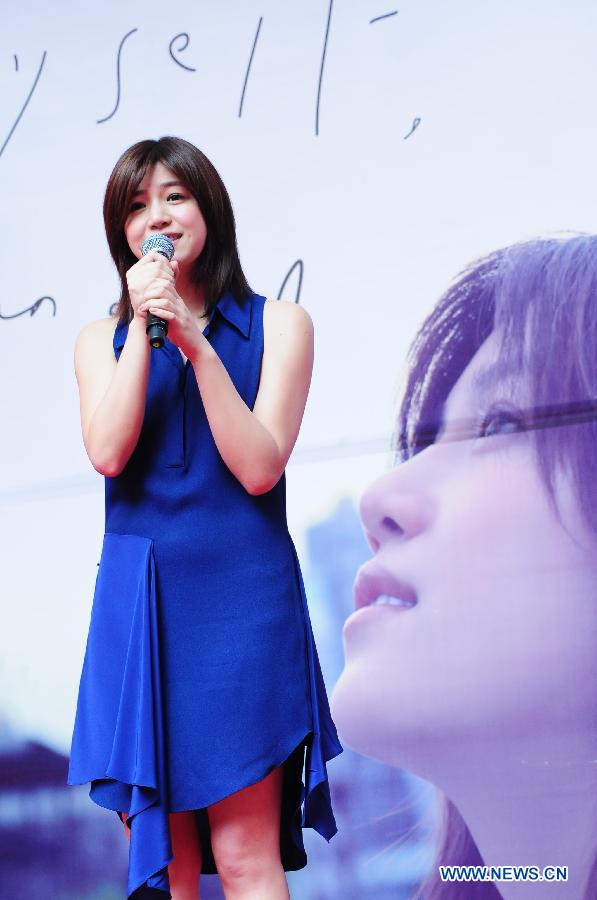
{"x":177,"y":195}
{"x":499,"y":420}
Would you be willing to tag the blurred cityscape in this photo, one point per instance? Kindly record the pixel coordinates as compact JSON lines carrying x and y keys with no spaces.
{"x":56,"y":843}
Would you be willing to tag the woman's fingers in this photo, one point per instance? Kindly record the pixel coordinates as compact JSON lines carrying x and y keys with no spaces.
{"x":155,"y":298}
{"x":163,"y":285}
{"x":162,"y":313}
{"x":162,"y":265}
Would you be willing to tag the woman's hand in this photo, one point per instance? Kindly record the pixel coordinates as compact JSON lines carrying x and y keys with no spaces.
{"x":151,"y":278}
{"x":162,"y":299}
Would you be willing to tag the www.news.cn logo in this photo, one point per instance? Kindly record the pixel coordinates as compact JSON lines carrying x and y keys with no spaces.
{"x":503,"y":873}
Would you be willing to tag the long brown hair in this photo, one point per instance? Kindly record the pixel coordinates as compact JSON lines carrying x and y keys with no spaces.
{"x":218,"y":267}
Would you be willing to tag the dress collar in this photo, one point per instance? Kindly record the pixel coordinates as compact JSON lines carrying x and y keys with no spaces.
{"x":236,"y":312}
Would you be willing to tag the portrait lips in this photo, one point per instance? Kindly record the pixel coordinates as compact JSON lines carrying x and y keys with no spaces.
{"x":378,"y":592}
{"x":373,"y":580}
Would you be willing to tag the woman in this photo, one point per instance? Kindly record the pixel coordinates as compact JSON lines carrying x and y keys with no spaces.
{"x":471,"y":659}
{"x":201,"y":687}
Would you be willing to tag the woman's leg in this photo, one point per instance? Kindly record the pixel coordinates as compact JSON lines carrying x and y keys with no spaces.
{"x":185,"y":869}
{"x":245,"y":839}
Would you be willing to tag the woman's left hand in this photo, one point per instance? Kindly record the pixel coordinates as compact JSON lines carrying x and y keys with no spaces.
{"x":183,"y":327}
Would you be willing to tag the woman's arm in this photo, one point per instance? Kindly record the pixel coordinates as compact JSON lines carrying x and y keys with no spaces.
{"x":256,"y":445}
{"x":112,"y":394}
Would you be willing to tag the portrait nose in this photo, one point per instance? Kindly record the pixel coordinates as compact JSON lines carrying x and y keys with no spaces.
{"x":392,"y":507}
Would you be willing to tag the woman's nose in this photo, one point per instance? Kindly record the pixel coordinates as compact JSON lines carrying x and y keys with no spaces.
{"x":392,"y":508}
{"x":158,"y":213}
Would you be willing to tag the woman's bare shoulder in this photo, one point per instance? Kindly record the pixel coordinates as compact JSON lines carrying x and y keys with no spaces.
{"x":287,"y":314}
{"x":100,"y":326}
{"x":287,"y":337}
{"x":96,"y":338}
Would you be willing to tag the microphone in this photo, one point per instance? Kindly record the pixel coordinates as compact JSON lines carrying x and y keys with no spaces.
{"x":157,"y":328}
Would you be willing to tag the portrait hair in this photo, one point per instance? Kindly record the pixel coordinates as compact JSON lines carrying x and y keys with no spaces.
{"x":541,"y":298}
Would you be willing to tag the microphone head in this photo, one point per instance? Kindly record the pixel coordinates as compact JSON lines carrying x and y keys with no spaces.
{"x":159,"y":242}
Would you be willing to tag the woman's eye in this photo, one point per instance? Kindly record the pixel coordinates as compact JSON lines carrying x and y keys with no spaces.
{"x":500,"y":421}
{"x":174,"y":196}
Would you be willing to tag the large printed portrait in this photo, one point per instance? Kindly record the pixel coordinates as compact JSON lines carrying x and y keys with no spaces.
{"x":471,"y":659}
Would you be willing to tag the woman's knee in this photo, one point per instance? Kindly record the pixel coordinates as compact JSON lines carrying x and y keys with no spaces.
{"x":245,"y":830}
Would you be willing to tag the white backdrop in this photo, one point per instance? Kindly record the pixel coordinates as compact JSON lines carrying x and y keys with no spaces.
{"x":319,"y":168}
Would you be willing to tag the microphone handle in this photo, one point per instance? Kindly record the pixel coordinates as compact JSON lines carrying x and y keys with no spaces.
{"x":156,"y":330}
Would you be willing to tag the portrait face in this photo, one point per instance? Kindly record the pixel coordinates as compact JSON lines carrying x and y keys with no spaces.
{"x":165,"y":205}
{"x":492,"y":649}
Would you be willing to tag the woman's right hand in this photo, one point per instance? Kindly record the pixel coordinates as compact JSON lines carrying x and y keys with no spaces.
{"x":150,"y":278}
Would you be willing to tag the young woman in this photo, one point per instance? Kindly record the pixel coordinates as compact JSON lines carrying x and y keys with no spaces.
{"x":201,"y":689}
{"x":471,"y":659}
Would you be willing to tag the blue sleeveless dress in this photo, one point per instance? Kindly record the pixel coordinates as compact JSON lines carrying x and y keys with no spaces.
{"x":200,"y":673}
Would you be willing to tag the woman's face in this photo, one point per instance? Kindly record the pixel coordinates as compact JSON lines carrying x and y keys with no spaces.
{"x":499,"y":651}
{"x":164,"y":205}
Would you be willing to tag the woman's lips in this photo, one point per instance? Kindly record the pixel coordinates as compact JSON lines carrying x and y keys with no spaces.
{"x":373,"y":581}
